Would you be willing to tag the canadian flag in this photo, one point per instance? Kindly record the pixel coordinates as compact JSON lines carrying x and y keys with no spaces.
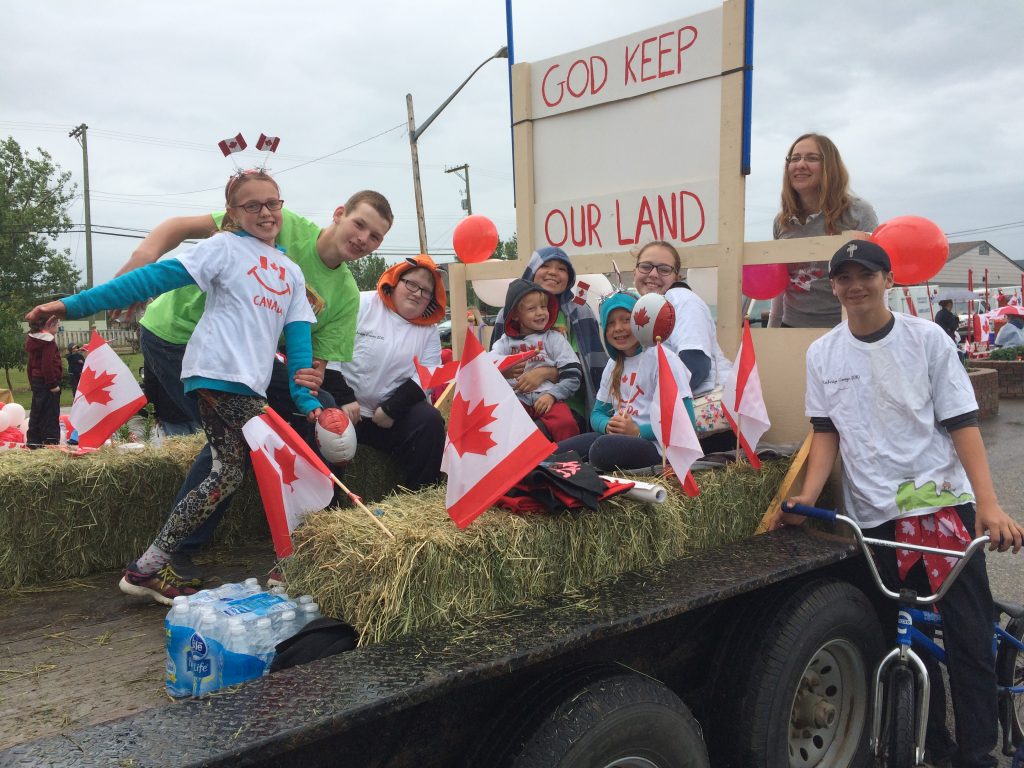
{"x":435,"y":377}
{"x":293,"y":481}
{"x":267,"y":143}
{"x":743,"y":399}
{"x":492,"y":442}
{"x":672,"y":426}
{"x":229,"y":146}
{"x":107,"y":396}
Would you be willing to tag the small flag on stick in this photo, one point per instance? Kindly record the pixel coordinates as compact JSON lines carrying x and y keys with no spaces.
{"x":230,"y":146}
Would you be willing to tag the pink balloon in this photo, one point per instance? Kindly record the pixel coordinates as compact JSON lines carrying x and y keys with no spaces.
{"x":916,"y":246}
{"x":764,"y":281}
{"x":475,"y":239}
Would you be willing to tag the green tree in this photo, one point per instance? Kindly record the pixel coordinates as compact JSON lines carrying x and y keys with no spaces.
{"x":367,"y":271}
{"x":507,"y":249}
{"x":12,"y":342}
{"x":34,"y":196}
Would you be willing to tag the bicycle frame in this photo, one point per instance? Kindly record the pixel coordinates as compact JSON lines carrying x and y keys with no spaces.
{"x":906,"y":634}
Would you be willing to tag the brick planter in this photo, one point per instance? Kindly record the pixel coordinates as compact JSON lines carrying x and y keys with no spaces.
{"x":1010,"y":373}
{"x":986,"y":390}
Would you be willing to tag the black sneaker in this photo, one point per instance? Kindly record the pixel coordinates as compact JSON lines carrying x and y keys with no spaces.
{"x":163,"y":586}
{"x":182,"y":564}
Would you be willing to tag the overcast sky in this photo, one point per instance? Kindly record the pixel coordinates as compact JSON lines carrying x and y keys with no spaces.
{"x":925,"y":99}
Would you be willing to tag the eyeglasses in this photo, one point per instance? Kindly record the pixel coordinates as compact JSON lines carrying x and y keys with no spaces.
{"x":644,"y":267}
{"x":256,"y":207}
{"x":805,"y":158}
{"x":415,"y":288}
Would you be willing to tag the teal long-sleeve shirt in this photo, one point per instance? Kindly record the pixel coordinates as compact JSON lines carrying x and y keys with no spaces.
{"x":154,"y":279}
{"x":603,"y":413}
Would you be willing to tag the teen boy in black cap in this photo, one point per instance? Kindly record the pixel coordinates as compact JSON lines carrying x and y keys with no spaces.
{"x":888,"y":393}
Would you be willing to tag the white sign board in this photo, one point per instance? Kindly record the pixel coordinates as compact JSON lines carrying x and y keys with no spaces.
{"x":626,"y":139}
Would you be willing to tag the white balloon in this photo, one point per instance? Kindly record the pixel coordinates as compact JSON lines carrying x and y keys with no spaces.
{"x":493,"y":291}
{"x":15,"y":413}
{"x":5,"y":420}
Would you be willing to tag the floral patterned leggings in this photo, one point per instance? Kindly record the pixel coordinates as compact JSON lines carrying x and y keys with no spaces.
{"x":223,"y":415}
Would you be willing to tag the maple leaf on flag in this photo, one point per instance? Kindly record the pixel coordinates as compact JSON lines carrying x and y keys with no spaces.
{"x":466,"y":427}
{"x":94,"y":387}
{"x":640,"y":317}
{"x":286,"y":461}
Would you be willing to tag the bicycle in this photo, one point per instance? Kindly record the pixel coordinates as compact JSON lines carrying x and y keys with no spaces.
{"x":904,"y":696}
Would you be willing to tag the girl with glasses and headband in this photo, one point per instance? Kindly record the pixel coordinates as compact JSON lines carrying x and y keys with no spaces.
{"x":693,"y":339}
{"x":816,"y":201}
{"x":253,"y":294}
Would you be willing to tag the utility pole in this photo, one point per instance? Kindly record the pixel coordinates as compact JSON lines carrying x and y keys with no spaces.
{"x":467,"y":204}
{"x":80,"y":134}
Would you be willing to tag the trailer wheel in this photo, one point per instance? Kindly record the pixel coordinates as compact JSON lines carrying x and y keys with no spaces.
{"x":807,"y":681}
{"x":604,"y":719}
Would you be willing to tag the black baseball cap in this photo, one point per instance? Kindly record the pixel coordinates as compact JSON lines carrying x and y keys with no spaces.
{"x":863,"y":252}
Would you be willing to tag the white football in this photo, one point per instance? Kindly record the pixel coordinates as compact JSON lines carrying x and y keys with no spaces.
{"x":653,"y":318}
{"x":336,"y":436}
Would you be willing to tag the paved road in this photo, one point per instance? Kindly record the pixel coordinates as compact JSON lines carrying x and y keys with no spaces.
{"x":1004,"y":440}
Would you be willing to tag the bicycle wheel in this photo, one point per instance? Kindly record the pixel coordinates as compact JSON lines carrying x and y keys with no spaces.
{"x":898,"y":733}
{"x":1010,"y":672}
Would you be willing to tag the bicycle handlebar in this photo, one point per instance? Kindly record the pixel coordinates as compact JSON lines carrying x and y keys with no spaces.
{"x":832,"y":516}
{"x":828,"y":515}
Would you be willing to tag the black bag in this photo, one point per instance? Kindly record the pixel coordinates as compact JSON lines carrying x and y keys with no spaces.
{"x":318,"y":639}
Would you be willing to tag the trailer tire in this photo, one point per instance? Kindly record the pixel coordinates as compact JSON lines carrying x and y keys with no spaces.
{"x":603,"y":717}
{"x":808,"y":681}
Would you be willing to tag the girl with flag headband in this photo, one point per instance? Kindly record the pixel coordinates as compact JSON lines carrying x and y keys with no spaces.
{"x":253,"y":294}
{"x":623,"y":435}
{"x":397,"y":323}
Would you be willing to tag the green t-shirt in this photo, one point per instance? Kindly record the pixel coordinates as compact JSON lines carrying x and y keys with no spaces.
{"x":332,"y":293}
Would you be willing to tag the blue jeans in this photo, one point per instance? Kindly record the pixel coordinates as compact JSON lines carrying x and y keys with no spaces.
{"x":163,"y":360}
{"x":608,"y":452}
{"x":177,"y":428}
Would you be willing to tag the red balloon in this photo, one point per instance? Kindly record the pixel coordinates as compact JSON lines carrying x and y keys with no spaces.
{"x":916,"y":247}
{"x":475,"y":239}
{"x":764,"y":281}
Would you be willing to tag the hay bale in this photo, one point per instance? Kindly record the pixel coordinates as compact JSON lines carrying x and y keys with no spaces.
{"x":63,"y":517}
{"x":433,"y":574}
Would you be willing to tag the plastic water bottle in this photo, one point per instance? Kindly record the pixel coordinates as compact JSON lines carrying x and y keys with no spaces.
{"x":177,"y":632}
{"x":252,"y":585}
{"x":303,"y":599}
{"x":204,"y":651}
{"x":262,"y":640}
{"x":308,"y":612}
{"x":287,"y":625}
{"x":239,"y":663}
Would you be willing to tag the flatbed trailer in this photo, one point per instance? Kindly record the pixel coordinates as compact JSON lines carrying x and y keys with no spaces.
{"x":702,"y":625}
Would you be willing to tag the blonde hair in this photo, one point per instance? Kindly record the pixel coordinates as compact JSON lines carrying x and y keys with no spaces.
{"x":834,"y":198}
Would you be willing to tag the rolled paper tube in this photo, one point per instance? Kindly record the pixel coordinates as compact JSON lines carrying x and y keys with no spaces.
{"x":648,"y":492}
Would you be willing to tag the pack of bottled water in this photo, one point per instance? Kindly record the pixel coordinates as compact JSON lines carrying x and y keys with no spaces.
{"x":225,"y":636}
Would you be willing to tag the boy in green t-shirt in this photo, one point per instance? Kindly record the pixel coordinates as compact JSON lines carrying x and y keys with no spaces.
{"x":357,"y":229}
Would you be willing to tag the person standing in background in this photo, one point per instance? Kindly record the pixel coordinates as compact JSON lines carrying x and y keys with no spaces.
{"x":76,"y":362}
{"x":947,"y":321}
{"x":816,"y":201}
{"x":44,"y":374}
